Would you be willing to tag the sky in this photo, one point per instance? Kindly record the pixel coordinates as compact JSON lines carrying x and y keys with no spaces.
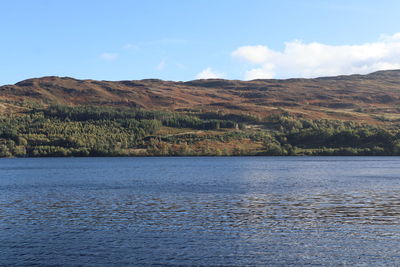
{"x":192,"y":39}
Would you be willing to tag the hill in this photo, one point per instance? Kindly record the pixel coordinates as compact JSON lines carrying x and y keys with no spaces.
{"x":343,"y":115}
{"x":372,"y":98}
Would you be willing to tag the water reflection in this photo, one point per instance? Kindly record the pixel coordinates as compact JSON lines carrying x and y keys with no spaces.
{"x":232,"y":211}
{"x":207,"y":210}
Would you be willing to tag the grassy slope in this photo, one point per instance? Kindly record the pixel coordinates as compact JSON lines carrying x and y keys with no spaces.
{"x":373,"y":98}
{"x":364,"y":99}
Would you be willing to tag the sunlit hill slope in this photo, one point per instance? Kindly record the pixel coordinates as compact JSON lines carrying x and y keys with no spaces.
{"x":372,"y":98}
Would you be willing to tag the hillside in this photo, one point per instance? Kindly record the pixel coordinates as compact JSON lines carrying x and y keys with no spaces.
{"x":344,"y":115}
{"x":372,"y":98}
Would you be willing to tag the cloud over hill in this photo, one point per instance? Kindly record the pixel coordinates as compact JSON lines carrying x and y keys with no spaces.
{"x":308,"y":60}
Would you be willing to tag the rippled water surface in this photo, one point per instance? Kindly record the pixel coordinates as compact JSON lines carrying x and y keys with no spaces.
{"x":200,"y":211}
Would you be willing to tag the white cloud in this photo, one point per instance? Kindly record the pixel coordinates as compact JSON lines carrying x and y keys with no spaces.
{"x":109,"y":56}
{"x":208,"y":73}
{"x":161,"y":65}
{"x":308,"y":60}
{"x":254,"y":54}
{"x":266,"y":72}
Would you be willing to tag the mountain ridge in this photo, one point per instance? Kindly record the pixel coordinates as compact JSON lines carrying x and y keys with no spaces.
{"x":393,"y":72}
{"x":365,"y":98}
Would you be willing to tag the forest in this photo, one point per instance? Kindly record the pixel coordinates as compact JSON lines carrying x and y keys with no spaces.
{"x":83,"y":131}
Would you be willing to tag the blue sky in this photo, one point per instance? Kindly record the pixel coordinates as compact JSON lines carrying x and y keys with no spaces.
{"x":189,"y":39}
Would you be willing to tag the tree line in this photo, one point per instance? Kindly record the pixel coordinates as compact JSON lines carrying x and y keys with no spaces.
{"x":106,"y":131}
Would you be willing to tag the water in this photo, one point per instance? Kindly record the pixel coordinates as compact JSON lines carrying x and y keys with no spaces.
{"x":321,"y":211}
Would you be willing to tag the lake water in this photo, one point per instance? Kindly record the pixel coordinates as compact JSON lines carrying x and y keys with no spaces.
{"x":200,"y":211}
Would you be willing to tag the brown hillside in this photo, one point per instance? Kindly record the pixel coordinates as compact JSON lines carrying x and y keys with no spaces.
{"x":373,"y":98}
